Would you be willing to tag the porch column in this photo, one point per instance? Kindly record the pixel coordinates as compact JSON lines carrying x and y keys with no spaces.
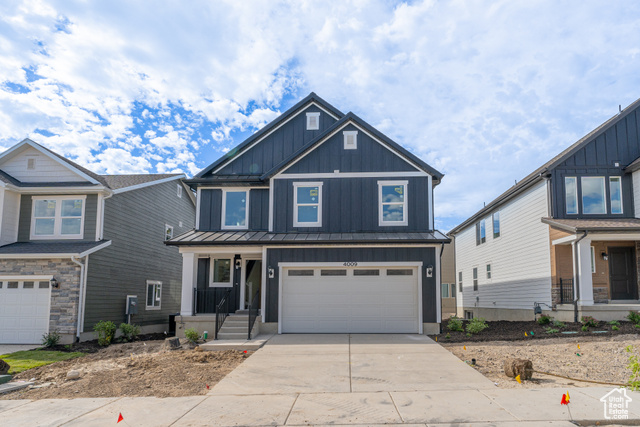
{"x":582,"y":271}
{"x":189,"y":275}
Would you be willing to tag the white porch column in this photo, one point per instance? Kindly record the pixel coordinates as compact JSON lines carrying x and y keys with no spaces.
{"x":582,"y":272}
{"x":189,"y":275}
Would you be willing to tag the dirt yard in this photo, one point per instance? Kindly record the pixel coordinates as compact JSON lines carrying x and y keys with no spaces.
{"x":598,"y":359}
{"x":132,"y":369}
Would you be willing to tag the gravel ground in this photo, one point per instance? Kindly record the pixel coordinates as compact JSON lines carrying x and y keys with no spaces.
{"x":600,"y":359}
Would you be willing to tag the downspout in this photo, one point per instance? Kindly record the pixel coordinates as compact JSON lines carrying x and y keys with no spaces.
{"x":83,"y":280}
{"x":439,"y":291}
{"x":108,"y":196}
{"x":577,"y":276}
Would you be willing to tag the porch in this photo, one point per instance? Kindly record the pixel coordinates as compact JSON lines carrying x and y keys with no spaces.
{"x":595,"y":264}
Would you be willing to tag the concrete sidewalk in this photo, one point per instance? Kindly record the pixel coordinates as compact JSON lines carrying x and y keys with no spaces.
{"x":335,"y":380}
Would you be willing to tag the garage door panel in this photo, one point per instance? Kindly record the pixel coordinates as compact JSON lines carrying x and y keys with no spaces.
{"x":24,"y":314}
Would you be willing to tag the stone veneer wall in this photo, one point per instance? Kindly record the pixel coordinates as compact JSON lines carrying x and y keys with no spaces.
{"x":64,"y":300}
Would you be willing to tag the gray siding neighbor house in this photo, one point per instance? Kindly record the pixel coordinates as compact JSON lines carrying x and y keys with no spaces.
{"x":74,"y":245}
{"x":322,"y":223}
{"x":566,"y":238}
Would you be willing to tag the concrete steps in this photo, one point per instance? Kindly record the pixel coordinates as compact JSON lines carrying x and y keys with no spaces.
{"x":235,"y":326}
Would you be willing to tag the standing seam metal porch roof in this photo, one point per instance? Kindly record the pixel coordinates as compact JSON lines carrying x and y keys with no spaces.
{"x":214,"y":238}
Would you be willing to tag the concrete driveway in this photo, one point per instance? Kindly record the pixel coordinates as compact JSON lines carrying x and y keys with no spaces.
{"x":12,"y":348}
{"x":350,"y":363}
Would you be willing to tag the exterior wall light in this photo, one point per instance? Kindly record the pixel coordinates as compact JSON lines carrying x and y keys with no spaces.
{"x":605,"y":256}
{"x":430,"y":271}
{"x":54,"y":283}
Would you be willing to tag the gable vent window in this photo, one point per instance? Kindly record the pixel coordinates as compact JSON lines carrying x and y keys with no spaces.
{"x":350,"y":139}
{"x":313,"y":121}
{"x":179,"y":193}
{"x":31,"y":164}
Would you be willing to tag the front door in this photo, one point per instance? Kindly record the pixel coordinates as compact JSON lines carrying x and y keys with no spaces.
{"x":252,"y":281}
{"x":622,"y":273}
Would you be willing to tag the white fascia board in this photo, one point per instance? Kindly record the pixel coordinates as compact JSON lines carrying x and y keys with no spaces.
{"x":304,"y":107}
{"x":213,"y":250}
{"x":148,"y":184}
{"x":95,"y":249}
{"x":351,"y":175}
{"x":61,"y":190}
{"x":565,"y":240}
{"x":58,"y":255}
{"x":256,"y":250}
{"x":351,"y":122}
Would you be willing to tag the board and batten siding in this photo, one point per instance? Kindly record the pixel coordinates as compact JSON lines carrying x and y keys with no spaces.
{"x":46,"y":168}
{"x":135,"y":221}
{"x":10,"y":217}
{"x":211,"y":210}
{"x":519,"y":258}
{"x":636,"y":192}
{"x":90,"y":217}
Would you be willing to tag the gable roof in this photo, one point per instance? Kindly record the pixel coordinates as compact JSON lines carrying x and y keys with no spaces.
{"x":537,"y":174}
{"x":358,"y":122}
{"x":242,"y":148}
{"x":116,"y":182}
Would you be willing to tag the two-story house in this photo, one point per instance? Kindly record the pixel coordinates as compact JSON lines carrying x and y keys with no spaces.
{"x":565,"y":237}
{"x":75,"y":246}
{"x":323,"y":222}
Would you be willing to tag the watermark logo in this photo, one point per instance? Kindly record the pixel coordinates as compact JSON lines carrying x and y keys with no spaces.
{"x":616,"y":404}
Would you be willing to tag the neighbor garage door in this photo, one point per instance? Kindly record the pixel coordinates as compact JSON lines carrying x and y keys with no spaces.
{"x":379,"y":299}
{"x":24,"y":310}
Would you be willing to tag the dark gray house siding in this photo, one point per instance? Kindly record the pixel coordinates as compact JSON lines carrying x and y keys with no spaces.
{"x":370,"y":156}
{"x":618,"y":143}
{"x":135,"y":223}
{"x":90,"y":216}
{"x":397,"y":254}
{"x":277,"y":146}
{"x":211,"y":210}
{"x":351,"y":205}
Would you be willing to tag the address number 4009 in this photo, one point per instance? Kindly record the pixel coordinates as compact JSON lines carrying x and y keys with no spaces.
{"x":350,"y":264}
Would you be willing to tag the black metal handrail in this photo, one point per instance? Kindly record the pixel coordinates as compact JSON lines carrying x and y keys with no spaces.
{"x":566,"y":291}
{"x":222,"y":311}
{"x":206,"y":300}
{"x":253,"y":312}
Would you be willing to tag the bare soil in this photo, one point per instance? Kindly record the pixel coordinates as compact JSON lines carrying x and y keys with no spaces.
{"x":140,"y":368}
{"x":598,"y":358}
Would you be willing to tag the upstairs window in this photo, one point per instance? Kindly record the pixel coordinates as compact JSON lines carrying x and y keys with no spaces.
{"x":593,"y":195}
{"x":392,"y":209}
{"x":313,"y":121}
{"x":481,"y":232}
{"x":496,"y":225}
{"x":59,"y":217}
{"x":350,"y":139}
{"x":307,"y":204}
{"x":235,"y":209}
{"x":168,"y":232}
{"x":615,"y":191}
{"x":571,"y":195}
{"x":475,"y":278}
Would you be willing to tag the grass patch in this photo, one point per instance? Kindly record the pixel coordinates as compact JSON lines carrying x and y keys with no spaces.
{"x":23,"y":360}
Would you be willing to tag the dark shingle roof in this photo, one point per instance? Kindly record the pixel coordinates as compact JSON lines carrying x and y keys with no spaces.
{"x":604,"y":225}
{"x":30,"y":248}
{"x":194,"y":237}
{"x":121,"y":181}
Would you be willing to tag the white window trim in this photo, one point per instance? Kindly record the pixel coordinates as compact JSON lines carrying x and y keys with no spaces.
{"x":317,"y":116}
{"x":166,"y":228}
{"x":566,"y":206}
{"x":448,"y":290}
{"x":229,"y":284}
{"x":489,"y":271}
{"x":621,"y":198}
{"x":405,"y":208}
{"x":593,"y":260}
{"x":604,"y":194}
{"x":224,"y":209}
{"x":493,"y":225}
{"x":476,"y":280}
{"x":179,"y":190}
{"x":146,"y":295}
{"x":347,"y":134}
{"x":57,"y":227}
{"x":297,"y":223}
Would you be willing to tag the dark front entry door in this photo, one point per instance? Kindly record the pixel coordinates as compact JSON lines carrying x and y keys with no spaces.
{"x":622,"y":273}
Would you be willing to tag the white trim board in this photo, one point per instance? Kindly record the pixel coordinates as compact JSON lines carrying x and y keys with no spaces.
{"x":295,"y":114}
{"x":223,"y":214}
{"x":351,"y":175}
{"x":27,"y":278}
{"x":204,"y":250}
{"x":56,"y":255}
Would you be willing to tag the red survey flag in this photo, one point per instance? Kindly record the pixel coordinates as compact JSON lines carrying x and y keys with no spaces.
{"x":564,"y":400}
{"x":120,"y":417}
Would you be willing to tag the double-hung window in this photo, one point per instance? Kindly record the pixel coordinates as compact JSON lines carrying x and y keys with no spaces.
{"x":593,"y":195}
{"x":392,"y":206}
{"x":57,"y":217}
{"x":307,"y":204}
{"x":235,"y":209}
{"x":460,"y":281}
{"x":221,"y":272}
{"x":154,"y":295}
{"x":475,"y":278}
{"x":444,"y":290}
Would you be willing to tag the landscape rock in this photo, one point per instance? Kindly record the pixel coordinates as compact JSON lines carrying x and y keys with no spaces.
{"x":515,"y":367}
{"x":73,"y":375}
{"x":4,"y":367}
{"x":171,"y":343}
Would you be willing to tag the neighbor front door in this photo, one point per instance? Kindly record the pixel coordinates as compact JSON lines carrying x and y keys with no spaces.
{"x":622,"y":273}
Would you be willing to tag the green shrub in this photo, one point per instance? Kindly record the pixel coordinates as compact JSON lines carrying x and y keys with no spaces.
{"x":558,"y":324}
{"x":589,"y":321}
{"x":50,"y":339}
{"x":476,"y":325}
{"x":192,"y":335}
{"x":129,"y":332}
{"x":585,"y":328}
{"x":637,"y":326}
{"x":544,"y":319}
{"x":615,"y":328}
{"x":448,"y":336}
{"x":614,"y":323}
{"x":455,"y":324}
{"x":634,"y":366}
{"x":551,"y":330}
{"x":106,"y":331}
{"x":634,"y":317}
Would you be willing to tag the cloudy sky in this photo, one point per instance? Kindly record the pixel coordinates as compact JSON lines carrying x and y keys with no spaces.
{"x":483,"y":91}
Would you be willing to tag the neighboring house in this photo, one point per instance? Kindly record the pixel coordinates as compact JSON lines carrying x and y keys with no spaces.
{"x":448,"y":287}
{"x":74,"y":245}
{"x":568,"y":232}
{"x":326,"y":219}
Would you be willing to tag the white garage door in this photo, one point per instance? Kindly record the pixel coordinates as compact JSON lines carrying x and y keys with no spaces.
{"x":376,"y":299}
{"x":24,"y":310}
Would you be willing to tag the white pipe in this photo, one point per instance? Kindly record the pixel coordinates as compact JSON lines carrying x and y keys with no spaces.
{"x":80,"y":293}
{"x":108,"y":196}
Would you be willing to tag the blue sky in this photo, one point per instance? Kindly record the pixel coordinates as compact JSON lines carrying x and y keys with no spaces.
{"x":485,"y":92}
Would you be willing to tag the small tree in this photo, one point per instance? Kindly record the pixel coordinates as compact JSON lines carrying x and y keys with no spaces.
{"x":106,"y":331}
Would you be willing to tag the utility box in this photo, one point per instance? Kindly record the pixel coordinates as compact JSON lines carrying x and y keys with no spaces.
{"x":132,"y":305}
